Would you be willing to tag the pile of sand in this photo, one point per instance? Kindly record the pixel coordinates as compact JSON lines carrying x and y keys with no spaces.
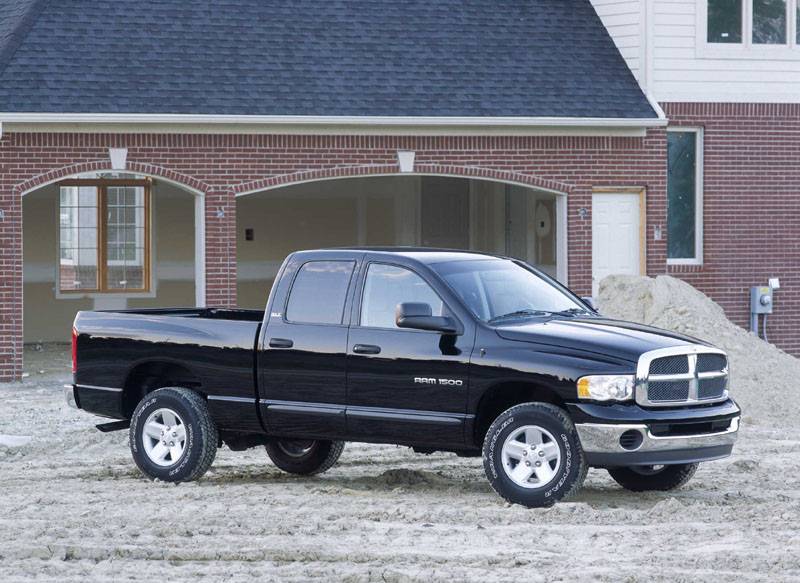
{"x":763,"y":377}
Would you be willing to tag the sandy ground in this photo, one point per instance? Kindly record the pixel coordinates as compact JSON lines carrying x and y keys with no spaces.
{"x":74,"y":508}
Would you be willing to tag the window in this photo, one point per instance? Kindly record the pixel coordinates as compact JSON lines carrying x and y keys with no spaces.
{"x":104,"y":243}
{"x":319,"y":292}
{"x":724,"y":21}
{"x":492,"y":288}
{"x":684,"y":196}
{"x":387,"y":286}
{"x":769,"y":22}
{"x":752,"y":23}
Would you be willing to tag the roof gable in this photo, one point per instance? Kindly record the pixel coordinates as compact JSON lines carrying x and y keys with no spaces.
{"x":416,"y":58}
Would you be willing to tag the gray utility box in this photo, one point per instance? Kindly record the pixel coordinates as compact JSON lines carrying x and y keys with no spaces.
{"x":761,"y":300}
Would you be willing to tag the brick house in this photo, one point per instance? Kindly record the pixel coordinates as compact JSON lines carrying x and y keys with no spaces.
{"x":160,"y":153}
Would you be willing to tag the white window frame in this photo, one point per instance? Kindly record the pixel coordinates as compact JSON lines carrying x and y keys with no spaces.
{"x":747,"y":49}
{"x":698,"y":199}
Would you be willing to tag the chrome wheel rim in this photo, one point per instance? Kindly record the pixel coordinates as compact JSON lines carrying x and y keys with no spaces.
{"x":164,"y":437}
{"x":296,"y":447}
{"x":531,"y":457}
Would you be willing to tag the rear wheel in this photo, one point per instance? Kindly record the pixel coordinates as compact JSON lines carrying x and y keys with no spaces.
{"x":532,"y":455}
{"x":653,"y":478}
{"x":172,"y":436}
{"x":304,"y":457}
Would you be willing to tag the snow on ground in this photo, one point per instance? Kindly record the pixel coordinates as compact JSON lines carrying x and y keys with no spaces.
{"x":74,"y":508}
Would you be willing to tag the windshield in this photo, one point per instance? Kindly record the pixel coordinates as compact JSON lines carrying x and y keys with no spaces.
{"x":495,"y":289}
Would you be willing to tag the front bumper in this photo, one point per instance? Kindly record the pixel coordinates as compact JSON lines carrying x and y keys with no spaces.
{"x":604,"y":445}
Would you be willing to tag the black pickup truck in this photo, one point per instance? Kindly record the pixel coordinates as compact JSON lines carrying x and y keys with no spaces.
{"x":433,"y":349}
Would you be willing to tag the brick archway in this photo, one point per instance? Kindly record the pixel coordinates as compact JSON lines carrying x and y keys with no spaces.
{"x":478,"y":172}
{"x":188,"y":182}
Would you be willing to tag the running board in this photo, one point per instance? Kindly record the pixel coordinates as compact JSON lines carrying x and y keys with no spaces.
{"x":114,"y":426}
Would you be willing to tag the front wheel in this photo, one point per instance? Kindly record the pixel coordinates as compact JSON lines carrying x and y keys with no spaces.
{"x":532,"y":455}
{"x":304,"y":457}
{"x":172,"y":435}
{"x":653,"y":478}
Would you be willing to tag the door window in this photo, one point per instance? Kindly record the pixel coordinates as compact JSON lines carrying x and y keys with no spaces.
{"x":386,"y":286}
{"x":319,"y":292}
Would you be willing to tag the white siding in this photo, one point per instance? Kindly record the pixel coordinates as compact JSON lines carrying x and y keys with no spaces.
{"x":623,"y":19}
{"x":684,"y":69}
{"x":664,"y":44}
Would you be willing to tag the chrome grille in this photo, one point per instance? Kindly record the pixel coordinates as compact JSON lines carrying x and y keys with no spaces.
{"x":711,"y":362}
{"x":712,"y":388}
{"x":670,"y":365}
{"x":681,"y":375}
{"x":668,"y":390}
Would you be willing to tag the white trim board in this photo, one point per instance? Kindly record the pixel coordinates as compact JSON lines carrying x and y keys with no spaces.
{"x":143,"y":123}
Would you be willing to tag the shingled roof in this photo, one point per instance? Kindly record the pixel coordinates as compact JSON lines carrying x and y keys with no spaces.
{"x":354,"y":58}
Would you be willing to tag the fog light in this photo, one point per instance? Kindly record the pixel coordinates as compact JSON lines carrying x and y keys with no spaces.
{"x":631,"y":439}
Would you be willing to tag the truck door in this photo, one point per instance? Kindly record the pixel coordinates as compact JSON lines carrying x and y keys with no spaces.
{"x":404,"y":386}
{"x":302,"y":352}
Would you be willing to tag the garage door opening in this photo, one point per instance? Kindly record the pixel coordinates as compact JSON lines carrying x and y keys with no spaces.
{"x":432,"y":211}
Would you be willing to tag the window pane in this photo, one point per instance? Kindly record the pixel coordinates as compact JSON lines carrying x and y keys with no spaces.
{"x":724,"y":21}
{"x":78,"y":238}
{"x":769,"y":22}
{"x":307,"y":304}
{"x":681,"y":193}
{"x":386,"y":287}
{"x":797,"y":24}
{"x":125,"y":238}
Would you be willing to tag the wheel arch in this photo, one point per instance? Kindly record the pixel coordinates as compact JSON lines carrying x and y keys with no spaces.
{"x":149,"y":376}
{"x":505,"y":395}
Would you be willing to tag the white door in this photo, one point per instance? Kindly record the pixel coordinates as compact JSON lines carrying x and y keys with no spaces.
{"x":615,"y":236}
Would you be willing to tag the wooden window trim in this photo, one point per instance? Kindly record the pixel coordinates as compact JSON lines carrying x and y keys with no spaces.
{"x":102,"y":186}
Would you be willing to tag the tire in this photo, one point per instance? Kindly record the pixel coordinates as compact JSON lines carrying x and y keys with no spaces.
{"x":653,"y":478}
{"x":186,"y":414}
{"x":304,"y":457}
{"x":536,"y":433}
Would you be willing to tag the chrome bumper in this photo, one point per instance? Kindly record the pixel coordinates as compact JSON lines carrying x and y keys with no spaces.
{"x":601,"y":438}
{"x":69,"y":395}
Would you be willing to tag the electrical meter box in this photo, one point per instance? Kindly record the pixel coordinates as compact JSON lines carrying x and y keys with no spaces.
{"x":761,"y":300}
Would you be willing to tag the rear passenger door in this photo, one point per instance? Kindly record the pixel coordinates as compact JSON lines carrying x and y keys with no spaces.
{"x":301,"y":361}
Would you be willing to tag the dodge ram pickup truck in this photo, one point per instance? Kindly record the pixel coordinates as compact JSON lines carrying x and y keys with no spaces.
{"x":434,"y":349}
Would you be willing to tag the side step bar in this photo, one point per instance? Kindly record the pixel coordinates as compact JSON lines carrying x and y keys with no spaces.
{"x":114,"y":426}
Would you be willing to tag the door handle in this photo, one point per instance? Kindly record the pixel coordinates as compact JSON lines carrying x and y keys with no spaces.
{"x":280,"y":343}
{"x":366,"y":349}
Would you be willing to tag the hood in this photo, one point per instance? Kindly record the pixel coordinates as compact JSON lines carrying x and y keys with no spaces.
{"x":613,"y":338}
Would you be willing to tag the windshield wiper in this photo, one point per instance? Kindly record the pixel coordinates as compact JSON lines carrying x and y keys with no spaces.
{"x":519,"y":314}
{"x":572,"y":312}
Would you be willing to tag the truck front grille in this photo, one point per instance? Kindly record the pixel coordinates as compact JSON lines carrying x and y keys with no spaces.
{"x":682,"y":376}
{"x":668,"y":390}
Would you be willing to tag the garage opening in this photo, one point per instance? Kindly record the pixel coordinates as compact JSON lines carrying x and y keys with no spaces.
{"x":107,"y":241}
{"x":432,"y":211}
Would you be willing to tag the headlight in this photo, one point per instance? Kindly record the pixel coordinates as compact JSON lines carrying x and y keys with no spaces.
{"x":606,"y":387}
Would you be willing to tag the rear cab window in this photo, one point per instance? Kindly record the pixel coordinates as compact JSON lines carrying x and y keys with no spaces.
{"x":319,"y":292}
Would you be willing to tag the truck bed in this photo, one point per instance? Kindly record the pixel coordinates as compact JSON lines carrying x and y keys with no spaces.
{"x":211,"y":349}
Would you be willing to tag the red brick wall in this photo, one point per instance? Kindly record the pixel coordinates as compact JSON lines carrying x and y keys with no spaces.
{"x":751,"y":209}
{"x":221,"y":165}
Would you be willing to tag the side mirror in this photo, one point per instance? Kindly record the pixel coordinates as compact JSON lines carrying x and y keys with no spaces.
{"x":589,"y":301}
{"x":417,"y":316}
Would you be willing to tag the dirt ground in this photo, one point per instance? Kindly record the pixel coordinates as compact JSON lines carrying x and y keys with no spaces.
{"x":73,"y":507}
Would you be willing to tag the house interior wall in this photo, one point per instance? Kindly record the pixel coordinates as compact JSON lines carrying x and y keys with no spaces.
{"x":389,"y":210}
{"x":48,"y":316}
